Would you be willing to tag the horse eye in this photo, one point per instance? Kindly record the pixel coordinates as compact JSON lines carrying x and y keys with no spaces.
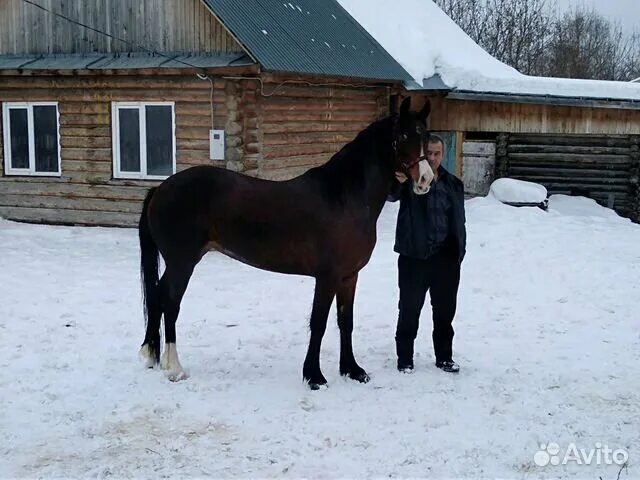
{"x":404,"y":137}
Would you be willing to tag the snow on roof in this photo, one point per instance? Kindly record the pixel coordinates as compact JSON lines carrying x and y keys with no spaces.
{"x":426,"y":42}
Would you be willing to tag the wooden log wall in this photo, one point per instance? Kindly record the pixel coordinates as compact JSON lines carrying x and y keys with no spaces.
{"x":87,"y":193}
{"x":600,"y":167}
{"x":476,"y":116}
{"x":635,"y":178}
{"x":162,"y":25}
{"x":275,"y":134}
{"x":303,"y":126}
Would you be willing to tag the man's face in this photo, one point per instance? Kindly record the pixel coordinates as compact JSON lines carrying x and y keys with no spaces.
{"x":434,"y":155}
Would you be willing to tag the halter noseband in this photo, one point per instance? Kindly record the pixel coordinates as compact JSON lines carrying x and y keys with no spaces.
{"x":415,"y":162}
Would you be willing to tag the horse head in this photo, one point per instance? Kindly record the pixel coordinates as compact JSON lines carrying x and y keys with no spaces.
{"x":409,"y":136}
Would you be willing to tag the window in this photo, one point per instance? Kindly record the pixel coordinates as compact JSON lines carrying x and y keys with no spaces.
{"x":31,"y":140}
{"x":143,"y":140}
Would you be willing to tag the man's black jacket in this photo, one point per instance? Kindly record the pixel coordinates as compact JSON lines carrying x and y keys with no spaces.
{"x":410,"y":230}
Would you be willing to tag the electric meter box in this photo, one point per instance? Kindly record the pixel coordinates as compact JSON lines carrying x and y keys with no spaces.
{"x":216,"y":144}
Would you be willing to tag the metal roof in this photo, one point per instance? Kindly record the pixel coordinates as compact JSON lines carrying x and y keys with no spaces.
{"x":432,"y":83}
{"x":102,"y":61}
{"x":306,"y":36}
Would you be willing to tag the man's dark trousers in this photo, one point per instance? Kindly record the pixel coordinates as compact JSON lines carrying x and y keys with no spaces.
{"x":440,"y":275}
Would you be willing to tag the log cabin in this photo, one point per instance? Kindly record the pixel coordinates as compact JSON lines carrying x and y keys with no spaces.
{"x":102,"y":100}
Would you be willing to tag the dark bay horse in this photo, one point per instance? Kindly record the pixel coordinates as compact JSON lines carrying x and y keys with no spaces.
{"x":321,"y":224}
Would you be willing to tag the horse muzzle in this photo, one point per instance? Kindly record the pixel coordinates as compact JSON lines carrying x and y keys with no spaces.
{"x":423,"y":184}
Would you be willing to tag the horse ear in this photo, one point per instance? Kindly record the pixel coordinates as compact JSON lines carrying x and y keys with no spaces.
{"x":394,"y":105}
{"x":426,"y":110}
{"x":404,"y":108}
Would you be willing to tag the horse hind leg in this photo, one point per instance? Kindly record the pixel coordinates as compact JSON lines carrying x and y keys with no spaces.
{"x":174,"y":285}
{"x":148,"y":355}
{"x":150,"y":349}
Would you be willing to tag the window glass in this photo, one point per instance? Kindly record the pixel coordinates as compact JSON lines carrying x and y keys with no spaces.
{"x":45,"y":133}
{"x":129,"y":123}
{"x":19,"y":132}
{"x":159,"y":140}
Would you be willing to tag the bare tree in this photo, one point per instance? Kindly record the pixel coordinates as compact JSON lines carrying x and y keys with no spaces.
{"x":533,"y":38}
{"x":470,"y":15}
{"x":518,"y":33}
{"x":587,"y":45}
{"x":629,"y":65}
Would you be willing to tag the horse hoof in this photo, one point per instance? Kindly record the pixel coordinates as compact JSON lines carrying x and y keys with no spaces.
{"x":147,"y":356}
{"x":361,"y":377}
{"x":177,"y":376}
{"x":357,"y":374}
{"x":315,"y":382}
{"x":318,"y":386}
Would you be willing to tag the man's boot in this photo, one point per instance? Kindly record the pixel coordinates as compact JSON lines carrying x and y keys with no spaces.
{"x":448,"y":366}
{"x":404,"y":350}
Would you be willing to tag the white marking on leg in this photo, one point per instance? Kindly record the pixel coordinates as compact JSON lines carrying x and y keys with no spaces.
{"x":171,"y":363}
{"x":147,"y":356}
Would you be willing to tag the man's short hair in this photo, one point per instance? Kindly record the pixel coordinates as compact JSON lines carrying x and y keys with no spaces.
{"x":433,"y":138}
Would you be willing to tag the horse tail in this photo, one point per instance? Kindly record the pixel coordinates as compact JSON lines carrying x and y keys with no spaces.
{"x":150,"y":284}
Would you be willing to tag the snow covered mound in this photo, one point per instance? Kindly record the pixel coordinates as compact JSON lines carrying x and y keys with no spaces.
{"x":581,"y":207}
{"x":510,"y":190}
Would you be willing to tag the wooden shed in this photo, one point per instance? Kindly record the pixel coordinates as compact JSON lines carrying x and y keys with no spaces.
{"x":573,"y":136}
{"x":101,"y":100}
{"x":571,"y":146}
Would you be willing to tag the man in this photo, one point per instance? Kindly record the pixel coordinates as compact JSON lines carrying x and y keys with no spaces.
{"x":431,"y":243}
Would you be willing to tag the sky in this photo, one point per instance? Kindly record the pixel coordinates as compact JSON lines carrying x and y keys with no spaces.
{"x":625,"y":11}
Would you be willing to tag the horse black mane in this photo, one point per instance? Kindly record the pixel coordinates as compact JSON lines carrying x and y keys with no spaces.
{"x":346,"y":171}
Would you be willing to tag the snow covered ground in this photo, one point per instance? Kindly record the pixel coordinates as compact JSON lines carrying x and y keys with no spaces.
{"x":547,"y":335}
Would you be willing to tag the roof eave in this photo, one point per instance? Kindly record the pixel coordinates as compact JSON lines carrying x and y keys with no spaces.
{"x":335,"y":77}
{"x":555,"y":100}
{"x":103,"y":63}
{"x":436,"y":85}
{"x":431,"y":84}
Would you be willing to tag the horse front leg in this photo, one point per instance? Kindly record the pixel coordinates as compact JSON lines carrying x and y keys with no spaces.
{"x":345,"y":297}
{"x":322,"y":299}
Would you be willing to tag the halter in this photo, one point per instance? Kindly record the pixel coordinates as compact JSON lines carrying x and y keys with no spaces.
{"x":394,"y":145}
{"x":394,"y":135}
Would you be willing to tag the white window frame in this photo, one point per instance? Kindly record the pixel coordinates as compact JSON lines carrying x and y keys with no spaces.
{"x":31,"y":171}
{"x":142,"y":116}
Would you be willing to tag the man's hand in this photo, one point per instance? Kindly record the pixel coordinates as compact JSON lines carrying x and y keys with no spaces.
{"x":401,"y":177}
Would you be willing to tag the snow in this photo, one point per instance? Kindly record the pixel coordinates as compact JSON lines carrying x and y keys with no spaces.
{"x":510,"y":190}
{"x":549,"y":350}
{"x":425,"y":41}
{"x":582,"y":207}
